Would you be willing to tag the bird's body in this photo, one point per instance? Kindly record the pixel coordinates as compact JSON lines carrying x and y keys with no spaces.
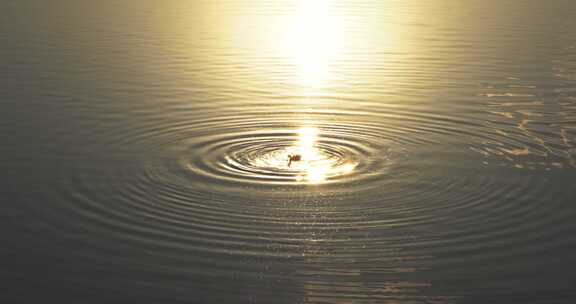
{"x":294,"y":157}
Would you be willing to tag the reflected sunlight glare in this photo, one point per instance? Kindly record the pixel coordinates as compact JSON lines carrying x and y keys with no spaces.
{"x":314,"y":40}
{"x":315,"y":166}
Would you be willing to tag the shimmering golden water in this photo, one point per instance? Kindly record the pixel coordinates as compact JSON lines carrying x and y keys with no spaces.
{"x":146,"y":147}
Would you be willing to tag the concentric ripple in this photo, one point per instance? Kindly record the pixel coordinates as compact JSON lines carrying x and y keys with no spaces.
{"x":289,"y":151}
{"x":398,"y":188}
{"x":265,"y":158}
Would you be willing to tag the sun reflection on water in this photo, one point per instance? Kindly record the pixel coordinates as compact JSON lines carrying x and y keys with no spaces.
{"x":314,"y":41}
{"x":315,"y":166}
{"x":316,"y":162}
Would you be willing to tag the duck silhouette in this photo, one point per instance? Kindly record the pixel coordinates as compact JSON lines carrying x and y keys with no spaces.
{"x":294,"y":157}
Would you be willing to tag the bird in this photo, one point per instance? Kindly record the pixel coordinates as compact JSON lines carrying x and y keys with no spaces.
{"x":294,"y":157}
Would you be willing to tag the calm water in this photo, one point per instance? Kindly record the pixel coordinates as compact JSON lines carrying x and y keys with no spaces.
{"x":145,"y":144}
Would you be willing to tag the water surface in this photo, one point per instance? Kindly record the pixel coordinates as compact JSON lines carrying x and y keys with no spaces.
{"x":145,"y":145}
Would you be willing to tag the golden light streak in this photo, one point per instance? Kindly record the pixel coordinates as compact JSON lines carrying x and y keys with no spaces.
{"x":314,"y":41}
{"x":315,"y":167}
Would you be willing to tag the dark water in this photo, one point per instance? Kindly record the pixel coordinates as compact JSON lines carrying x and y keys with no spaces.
{"x":144,"y":149}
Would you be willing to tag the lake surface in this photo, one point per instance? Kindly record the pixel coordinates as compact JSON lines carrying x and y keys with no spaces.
{"x":145,"y":145}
